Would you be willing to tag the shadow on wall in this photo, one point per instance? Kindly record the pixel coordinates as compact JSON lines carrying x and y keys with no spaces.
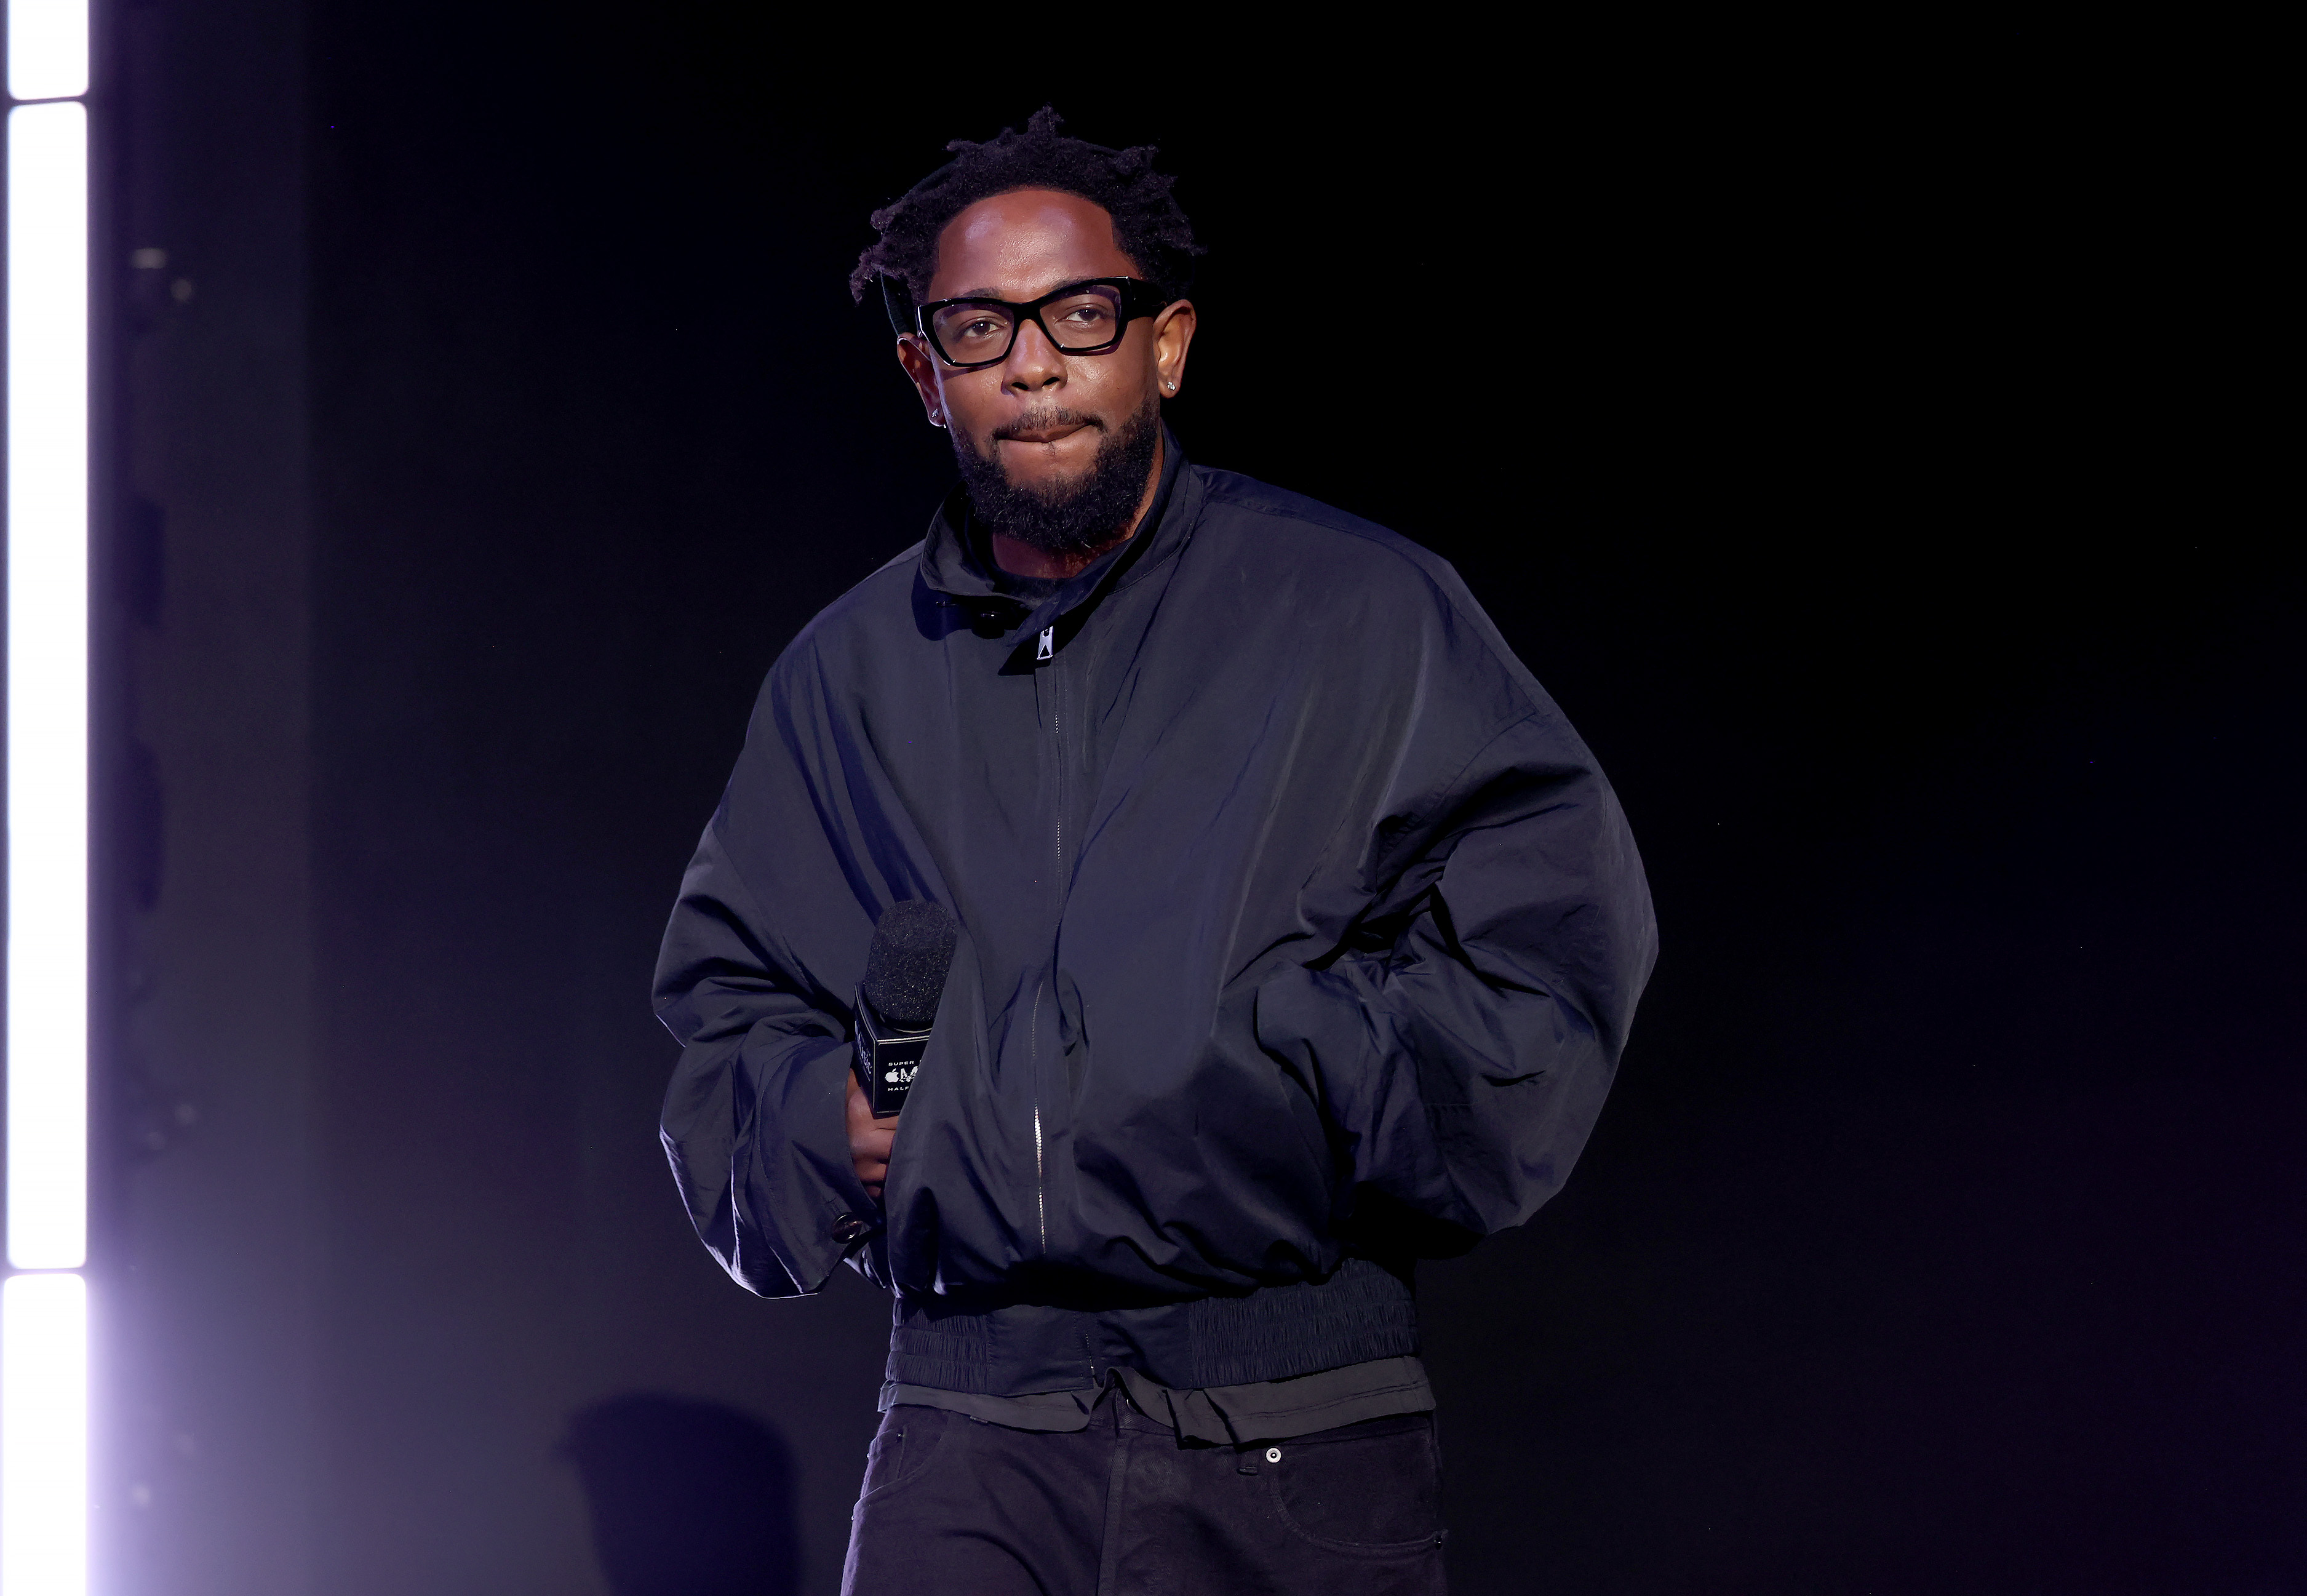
{"x":688,"y":1499}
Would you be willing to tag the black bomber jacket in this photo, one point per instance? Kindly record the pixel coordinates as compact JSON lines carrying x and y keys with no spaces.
{"x":1300,"y":935}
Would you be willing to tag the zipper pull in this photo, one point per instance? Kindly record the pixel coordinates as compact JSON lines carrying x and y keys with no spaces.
{"x":1048,"y":647}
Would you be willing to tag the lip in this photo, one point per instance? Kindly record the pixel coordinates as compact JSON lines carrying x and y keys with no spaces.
{"x":1046,"y":434}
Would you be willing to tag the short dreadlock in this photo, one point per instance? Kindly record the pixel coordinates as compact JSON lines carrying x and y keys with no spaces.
{"x":1147,"y":225}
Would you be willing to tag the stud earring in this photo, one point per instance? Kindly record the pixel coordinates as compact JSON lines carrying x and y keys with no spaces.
{"x":1173,"y":386}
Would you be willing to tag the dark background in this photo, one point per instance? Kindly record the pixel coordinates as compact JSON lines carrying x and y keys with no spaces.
{"x":1848,"y":461}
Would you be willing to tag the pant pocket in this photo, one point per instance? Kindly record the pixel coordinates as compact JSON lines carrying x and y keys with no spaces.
{"x":1372,"y":1487}
{"x":901,"y":1448}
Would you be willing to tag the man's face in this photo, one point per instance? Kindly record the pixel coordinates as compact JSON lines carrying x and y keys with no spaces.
{"x":1039,"y":414}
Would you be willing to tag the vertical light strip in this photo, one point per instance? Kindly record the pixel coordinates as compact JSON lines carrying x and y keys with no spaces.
{"x":47,"y":686}
{"x":44,"y":1442}
{"x":47,"y":48}
{"x":44,"y":1347}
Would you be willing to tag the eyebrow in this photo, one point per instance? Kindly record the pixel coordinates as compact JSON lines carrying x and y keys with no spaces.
{"x":996,"y":294}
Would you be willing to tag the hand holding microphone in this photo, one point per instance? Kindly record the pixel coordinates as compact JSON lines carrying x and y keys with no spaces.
{"x":868,"y":1140}
{"x":897,"y":1005}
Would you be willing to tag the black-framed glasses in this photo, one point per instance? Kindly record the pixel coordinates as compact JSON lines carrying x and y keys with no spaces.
{"x":1084,"y":318}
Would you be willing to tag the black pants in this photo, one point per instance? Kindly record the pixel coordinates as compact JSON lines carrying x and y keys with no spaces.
{"x":956,"y":1506}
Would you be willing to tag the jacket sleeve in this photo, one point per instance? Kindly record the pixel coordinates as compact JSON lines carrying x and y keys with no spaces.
{"x":1461,"y":1038}
{"x":755,"y":1119}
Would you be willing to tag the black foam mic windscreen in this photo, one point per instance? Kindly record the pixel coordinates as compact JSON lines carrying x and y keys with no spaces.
{"x":906,"y":967}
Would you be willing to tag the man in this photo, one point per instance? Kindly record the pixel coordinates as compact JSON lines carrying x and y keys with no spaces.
{"x":1300,"y":936}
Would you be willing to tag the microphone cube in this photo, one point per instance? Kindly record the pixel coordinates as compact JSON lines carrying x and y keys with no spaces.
{"x":886,"y":1060}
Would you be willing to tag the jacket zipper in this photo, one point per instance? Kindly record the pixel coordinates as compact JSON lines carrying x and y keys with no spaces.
{"x":1058,"y":737}
{"x":1041,"y":1203}
{"x":1047,"y":651}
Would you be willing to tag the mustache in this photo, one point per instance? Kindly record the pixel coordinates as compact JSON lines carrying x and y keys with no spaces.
{"x":1034,"y":421}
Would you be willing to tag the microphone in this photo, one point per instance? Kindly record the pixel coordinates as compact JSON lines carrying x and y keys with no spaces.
{"x":896,"y":1003}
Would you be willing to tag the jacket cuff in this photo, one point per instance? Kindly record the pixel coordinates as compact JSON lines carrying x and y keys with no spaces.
{"x":826,"y":1214}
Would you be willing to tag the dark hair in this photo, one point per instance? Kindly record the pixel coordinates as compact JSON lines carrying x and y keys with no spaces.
{"x":1147,"y":225}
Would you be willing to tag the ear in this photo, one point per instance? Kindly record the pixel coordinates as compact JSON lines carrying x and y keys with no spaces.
{"x":921,"y":367}
{"x":1173,"y":334}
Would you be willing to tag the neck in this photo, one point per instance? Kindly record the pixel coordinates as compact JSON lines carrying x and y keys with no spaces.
{"x":1019,"y":559}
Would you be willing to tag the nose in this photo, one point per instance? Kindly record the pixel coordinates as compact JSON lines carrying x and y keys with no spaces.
{"x":1035,"y":364}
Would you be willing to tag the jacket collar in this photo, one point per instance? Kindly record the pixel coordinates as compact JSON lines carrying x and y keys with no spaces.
{"x":956,"y":562}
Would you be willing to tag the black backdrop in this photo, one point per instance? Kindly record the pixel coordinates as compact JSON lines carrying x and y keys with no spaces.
{"x":1942,"y":1230}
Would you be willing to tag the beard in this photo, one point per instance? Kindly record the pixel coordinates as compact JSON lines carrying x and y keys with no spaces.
{"x":1077,"y":517}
